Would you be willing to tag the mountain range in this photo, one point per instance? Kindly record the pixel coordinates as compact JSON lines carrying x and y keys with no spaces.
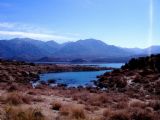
{"x":27,"y":49}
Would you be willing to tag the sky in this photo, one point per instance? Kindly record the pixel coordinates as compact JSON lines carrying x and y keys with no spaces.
{"x":125,"y":23}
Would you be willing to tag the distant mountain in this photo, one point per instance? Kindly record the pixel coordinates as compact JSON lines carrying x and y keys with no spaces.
{"x":90,"y":50}
{"x":152,"y":49}
{"x":134,"y":50}
{"x":79,"y":61}
{"x":26,"y":48}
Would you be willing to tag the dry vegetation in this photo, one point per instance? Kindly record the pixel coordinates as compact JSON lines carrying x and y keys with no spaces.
{"x":17,"y":113}
{"x":75,"y":104}
{"x":16,"y":98}
{"x":124,"y":100}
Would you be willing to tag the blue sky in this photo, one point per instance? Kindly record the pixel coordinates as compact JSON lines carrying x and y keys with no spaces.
{"x":123,"y":23}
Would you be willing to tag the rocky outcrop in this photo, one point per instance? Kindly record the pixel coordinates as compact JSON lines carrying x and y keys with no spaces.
{"x":139,"y":76}
{"x":150,"y":62}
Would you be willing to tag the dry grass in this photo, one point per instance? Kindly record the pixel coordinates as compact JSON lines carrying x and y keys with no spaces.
{"x":155,"y":104}
{"x":12,"y":88}
{"x":141,"y":114}
{"x":111,"y":114}
{"x":16,"y":98}
{"x":65,"y":110}
{"x":120,"y":115}
{"x":38,"y":99}
{"x":56,"y":105}
{"x":17,"y":113}
{"x":121,"y":105}
{"x":138,"y":104}
{"x":77,"y":112}
{"x":73,"y":111}
{"x":107,"y":112}
{"x":136,"y":113}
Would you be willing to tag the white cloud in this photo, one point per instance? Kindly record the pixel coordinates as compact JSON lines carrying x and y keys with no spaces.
{"x":6,"y":25}
{"x":11,"y":30}
{"x":35,"y":35}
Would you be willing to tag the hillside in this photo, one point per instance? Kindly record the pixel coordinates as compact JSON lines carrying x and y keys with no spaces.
{"x":141,"y":75}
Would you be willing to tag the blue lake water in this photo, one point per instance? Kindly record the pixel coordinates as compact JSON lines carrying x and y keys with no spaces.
{"x":114,"y":65}
{"x":75,"y":79}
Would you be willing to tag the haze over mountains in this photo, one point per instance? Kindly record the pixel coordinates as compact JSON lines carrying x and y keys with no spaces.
{"x":89,"y":50}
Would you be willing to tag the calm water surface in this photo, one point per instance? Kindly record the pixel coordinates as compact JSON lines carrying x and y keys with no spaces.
{"x":75,"y":79}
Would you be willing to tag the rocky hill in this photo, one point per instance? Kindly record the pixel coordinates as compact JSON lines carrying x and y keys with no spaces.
{"x":139,"y":76}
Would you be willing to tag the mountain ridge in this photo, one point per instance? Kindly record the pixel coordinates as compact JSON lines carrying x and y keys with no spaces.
{"x":28,"y":49}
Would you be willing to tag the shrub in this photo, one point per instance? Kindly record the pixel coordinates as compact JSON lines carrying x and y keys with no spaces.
{"x":142,"y":115}
{"x":120,"y":115}
{"x":98,"y":100}
{"x":12,"y":88}
{"x":23,"y":114}
{"x":106,"y":112}
{"x":38,"y":99}
{"x":121,"y":105}
{"x":138,"y":104}
{"x":56,"y":105}
{"x":78,"y":112}
{"x":16,"y":98}
{"x":65,"y":110}
{"x":155,"y":104}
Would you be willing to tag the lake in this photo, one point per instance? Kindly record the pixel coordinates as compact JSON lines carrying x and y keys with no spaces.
{"x":74,"y":79}
{"x":114,"y":65}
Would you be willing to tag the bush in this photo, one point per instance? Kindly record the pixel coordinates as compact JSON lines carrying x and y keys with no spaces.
{"x":120,"y":115}
{"x":121,"y":105}
{"x":74,"y":111}
{"x":16,"y":98}
{"x":155,"y":104}
{"x":78,"y":112}
{"x":142,"y":115}
{"x":65,"y":110}
{"x":23,"y":114}
{"x":56,"y":105}
{"x":138,"y":104}
{"x":106,"y":112}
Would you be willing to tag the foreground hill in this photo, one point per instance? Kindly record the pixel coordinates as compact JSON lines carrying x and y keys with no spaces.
{"x":140,"y":75}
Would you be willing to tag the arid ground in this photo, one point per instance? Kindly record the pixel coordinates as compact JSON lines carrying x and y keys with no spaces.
{"x":130,"y":95}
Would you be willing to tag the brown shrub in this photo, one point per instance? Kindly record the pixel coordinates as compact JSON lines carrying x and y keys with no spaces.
{"x":155,"y":104}
{"x":138,"y":104}
{"x":38,"y":99}
{"x":74,"y":111}
{"x":32,"y":93}
{"x":65,"y":110}
{"x":98,"y":100}
{"x":16,"y":98}
{"x":121,"y":105}
{"x":107,"y":112}
{"x":23,"y":114}
{"x":77,"y":112}
{"x":12,"y":88}
{"x":142,"y":115}
{"x":56,"y":105}
{"x":120,"y":115}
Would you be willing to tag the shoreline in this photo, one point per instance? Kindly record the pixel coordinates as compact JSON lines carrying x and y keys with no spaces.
{"x":26,"y":72}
